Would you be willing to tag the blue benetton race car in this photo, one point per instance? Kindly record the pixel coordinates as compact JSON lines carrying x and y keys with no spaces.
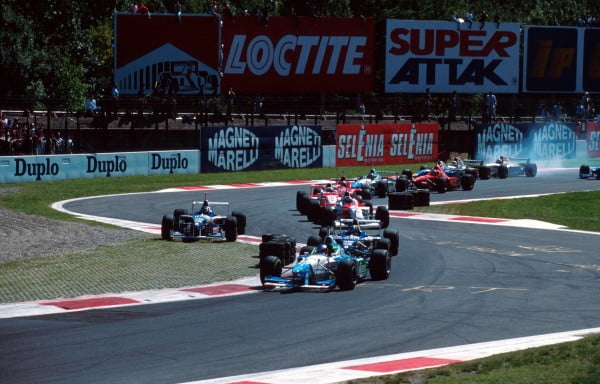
{"x":325,"y":267}
{"x":586,"y":172}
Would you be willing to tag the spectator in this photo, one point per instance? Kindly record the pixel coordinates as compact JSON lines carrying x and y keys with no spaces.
{"x":115,"y":95}
{"x":214,"y":8}
{"x":141,"y":94}
{"x":491,"y":102}
{"x":469,"y":18}
{"x":230,"y":102}
{"x":482,"y":18}
{"x":427,"y":101}
{"x":543,"y":112}
{"x":92,"y":107}
{"x":257,"y":105}
{"x":556,"y":111}
{"x":452,"y":103}
{"x":133,"y":8}
{"x":362,"y":109}
{"x":456,"y":19}
{"x":497,"y":20}
{"x":586,"y":100}
{"x":178,"y":10}
{"x":227,"y":11}
{"x":143,"y":9}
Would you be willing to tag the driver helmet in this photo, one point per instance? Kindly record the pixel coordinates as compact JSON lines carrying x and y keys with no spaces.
{"x":205,"y":209}
{"x":322,"y":249}
{"x":355,"y":229}
{"x":347,"y":199}
{"x":328,"y":187}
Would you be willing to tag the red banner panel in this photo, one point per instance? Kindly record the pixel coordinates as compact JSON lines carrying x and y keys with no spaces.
{"x":593,"y":139}
{"x":167,"y":48}
{"x":382,"y":144}
{"x":298,"y":55}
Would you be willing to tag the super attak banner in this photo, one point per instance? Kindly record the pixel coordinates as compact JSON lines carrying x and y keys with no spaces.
{"x":257,"y":148}
{"x":164,"y":49}
{"x":561,"y":59}
{"x":537,"y":141}
{"x":298,"y":54}
{"x":374,"y":144}
{"x":444,"y":57}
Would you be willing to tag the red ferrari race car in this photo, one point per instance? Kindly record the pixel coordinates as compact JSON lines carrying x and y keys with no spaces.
{"x":437,"y":179}
{"x":327,"y":194}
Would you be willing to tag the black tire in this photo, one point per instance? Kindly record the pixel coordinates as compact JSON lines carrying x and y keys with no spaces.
{"x":304,"y":204}
{"x":467,"y":182}
{"x":314,"y":210}
{"x":272,"y":248}
{"x":323,"y":232}
{"x":176,"y":214}
{"x":365,"y":193}
{"x":402,"y":183}
{"x":421,"y":198}
{"x":188,"y":229}
{"x":502,"y":172}
{"x":270,"y":266}
{"x":314,"y":240}
{"x":383,"y":243}
{"x":346,"y":275}
{"x":306,"y":249}
{"x":584,"y":170}
{"x":380,"y":265}
{"x":408,"y":173}
{"x":531,"y":170}
{"x":394,"y":236}
{"x":300,"y":196}
{"x":380,"y":189}
{"x":400,"y":201}
{"x":328,"y":216}
{"x":241,"y":222}
{"x":441,"y":185}
{"x":382,"y":214}
{"x":230,"y":228}
{"x":484,"y":173}
{"x":166,"y":227}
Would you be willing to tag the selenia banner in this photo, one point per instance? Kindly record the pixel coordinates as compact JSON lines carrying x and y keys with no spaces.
{"x":593,"y":138}
{"x":539,"y":141}
{"x":438,"y":55}
{"x":257,"y":148}
{"x":165,"y":48}
{"x":297,"y":55}
{"x":373,"y":144}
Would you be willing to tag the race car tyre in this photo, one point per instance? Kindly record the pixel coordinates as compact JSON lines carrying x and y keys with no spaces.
{"x":380,"y":189}
{"x":471,"y":171}
{"x":166,"y":227}
{"x":531,"y":170}
{"x":328,"y":216}
{"x":421,"y":198}
{"x":270,"y":266}
{"x":365,"y":193}
{"x":314,"y":210}
{"x":176,"y":214}
{"x":402,"y":183}
{"x":400,"y":201}
{"x":380,"y":264}
{"x":241,"y":222}
{"x":502,"y":172}
{"x":230,"y":227}
{"x":383,"y":243}
{"x":484,"y":173}
{"x":314,"y":240}
{"x":467,"y":182}
{"x":408,"y":173}
{"x":323,"y":231}
{"x":300,"y":200}
{"x":346,"y":276}
{"x":440,"y":185}
{"x":584,"y":170}
{"x":382,"y":214}
{"x":394,"y":237}
{"x":306,"y":249}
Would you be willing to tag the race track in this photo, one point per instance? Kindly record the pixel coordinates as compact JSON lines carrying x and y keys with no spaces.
{"x":451,"y":284}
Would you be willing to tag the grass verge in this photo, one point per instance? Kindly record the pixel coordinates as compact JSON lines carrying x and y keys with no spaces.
{"x":567,"y":363}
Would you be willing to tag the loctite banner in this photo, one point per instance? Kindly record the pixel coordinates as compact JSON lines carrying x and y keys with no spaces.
{"x":165,"y":48}
{"x":593,"y":138}
{"x":258,"y":148}
{"x":561,"y":59}
{"x":551,"y":140}
{"x":381,"y":144}
{"x":446,"y":57}
{"x":298,"y":55}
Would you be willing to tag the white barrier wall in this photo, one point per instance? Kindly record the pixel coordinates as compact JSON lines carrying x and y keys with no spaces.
{"x":329,"y":156}
{"x":19,"y":169}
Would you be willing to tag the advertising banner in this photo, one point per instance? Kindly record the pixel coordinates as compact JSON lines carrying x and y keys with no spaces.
{"x":165,"y":48}
{"x":446,"y":57}
{"x":593,"y":138}
{"x":381,"y":144}
{"x":258,"y":148}
{"x":561,"y":59}
{"x":537,"y":141}
{"x":298,"y":55}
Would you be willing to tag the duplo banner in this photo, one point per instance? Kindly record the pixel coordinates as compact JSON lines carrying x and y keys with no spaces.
{"x":551,"y":140}
{"x":256,"y":148}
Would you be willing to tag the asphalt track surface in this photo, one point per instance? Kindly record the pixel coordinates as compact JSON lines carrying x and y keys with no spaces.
{"x":451,"y":284}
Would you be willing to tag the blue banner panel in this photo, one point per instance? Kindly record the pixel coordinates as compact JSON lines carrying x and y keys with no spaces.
{"x":538,"y":141}
{"x":551,"y":59}
{"x":591,"y":60}
{"x":258,"y":148}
